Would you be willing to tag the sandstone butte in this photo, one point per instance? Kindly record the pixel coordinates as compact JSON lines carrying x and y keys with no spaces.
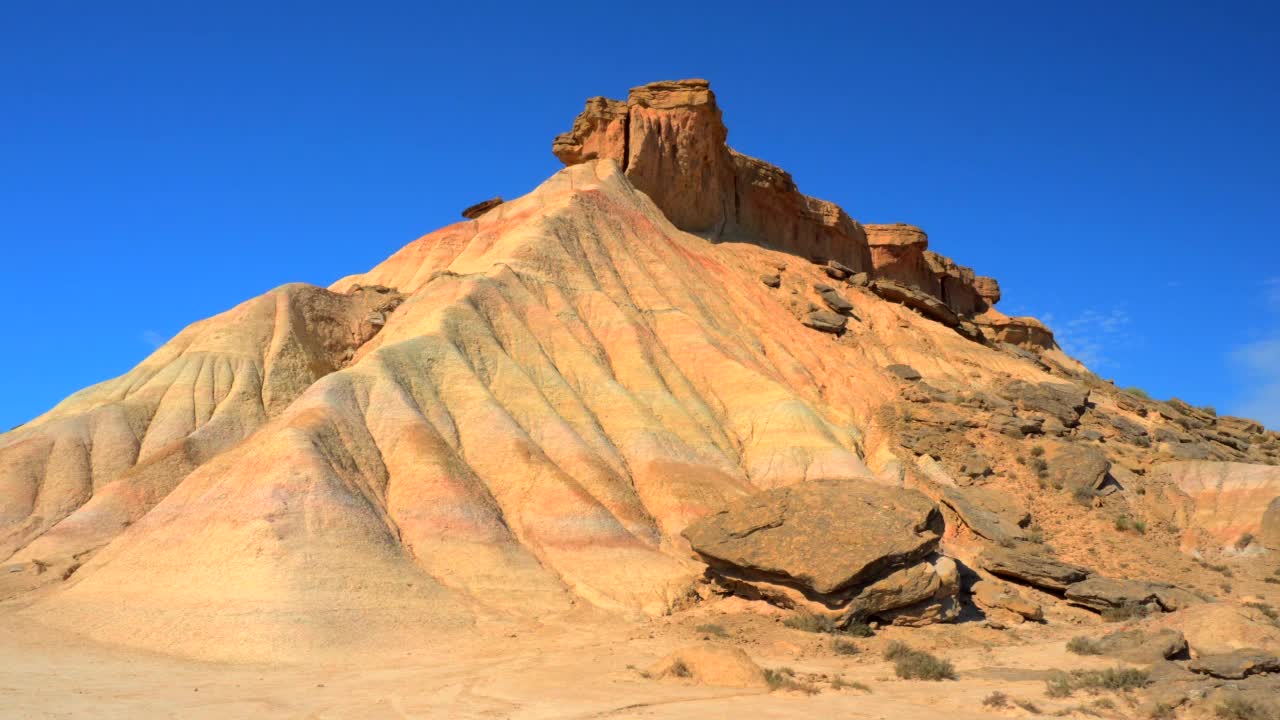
{"x":568,"y":402}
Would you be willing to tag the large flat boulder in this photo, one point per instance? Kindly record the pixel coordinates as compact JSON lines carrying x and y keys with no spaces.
{"x":1236,"y":664}
{"x":1037,"y":570}
{"x":989,"y":513}
{"x":1103,"y":593}
{"x":823,"y":536}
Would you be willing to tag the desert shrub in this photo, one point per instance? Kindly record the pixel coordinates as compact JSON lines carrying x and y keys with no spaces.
{"x":679,"y":669}
{"x":809,"y":622}
{"x":1162,"y":711}
{"x":912,"y":664}
{"x":1058,"y":685}
{"x":857,"y":629}
{"x":1137,"y":392}
{"x":1238,"y":708}
{"x":1124,"y":523}
{"x":1271,"y":581}
{"x":1083,"y":495}
{"x":1037,"y":451}
{"x":1035,"y":534}
{"x":840,"y":683}
{"x":996,"y":699}
{"x":1028,"y":706}
{"x":844,"y":647}
{"x":1081,"y":645}
{"x":1244,"y":541}
{"x":784,"y":678}
{"x":712,"y":629}
{"x":1117,"y":678}
{"x":1104,"y":704}
{"x":1216,"y":567}
{"x":1061,"y":684}
{"x":1127,"y":611}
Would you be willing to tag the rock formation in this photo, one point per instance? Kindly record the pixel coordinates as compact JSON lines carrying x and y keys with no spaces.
{"x":661,"y":376}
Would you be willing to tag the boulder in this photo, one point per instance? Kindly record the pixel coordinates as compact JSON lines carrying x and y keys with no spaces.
{"x":833,"y":299}
{"x":993,"y":595}
{"x":1037,"y":570}
{"x":1214,"y":628}
{"x":1236,"y":664}
{"x":825,"y":321}
{"x":710,"y":664}
{"x":772,"y":281}
{"x":1064,"y":402}
{"x":987,"y":512}
{"x":905,"y":372}
{"x":1141,"y":646}
{"x":917,"y":300}
{"x":1103,"y":593}
{"x":1015,"y":426}
{"x":1076,"y":466}
{"x":823,"y":536}
{"x":837,"y":270}
{"x":900,"y":588}
{"x":481,"y":208}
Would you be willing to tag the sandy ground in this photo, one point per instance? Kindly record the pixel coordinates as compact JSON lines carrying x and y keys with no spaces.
{"x":578,"y":669}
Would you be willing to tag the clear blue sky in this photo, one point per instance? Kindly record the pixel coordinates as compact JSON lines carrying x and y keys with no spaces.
{"x":1114,"y":164}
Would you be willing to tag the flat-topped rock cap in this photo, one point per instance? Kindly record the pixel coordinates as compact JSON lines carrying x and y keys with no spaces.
{"x":824,"y":535}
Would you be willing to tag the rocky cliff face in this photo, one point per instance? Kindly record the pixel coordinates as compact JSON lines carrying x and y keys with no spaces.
{"x":669,"y":140}
{"x":550,"y":404}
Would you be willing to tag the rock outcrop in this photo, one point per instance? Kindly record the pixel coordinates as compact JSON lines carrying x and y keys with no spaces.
{"x":669,"y":139}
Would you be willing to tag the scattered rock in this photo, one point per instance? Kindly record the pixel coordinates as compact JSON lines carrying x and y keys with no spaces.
{"x":481,"y":208}
{"x":833,"y":299}
{"x":825,"y":321}
{"x":772,"y":281}
{"x":837,"y":270}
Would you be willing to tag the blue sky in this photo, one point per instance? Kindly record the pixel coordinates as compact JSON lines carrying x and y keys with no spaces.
{"x":1114,"y":164}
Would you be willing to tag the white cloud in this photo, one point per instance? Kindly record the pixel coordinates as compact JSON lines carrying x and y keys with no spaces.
{"x":153,"y":339}
{"x":1259,"y":363}
{"x":1271,"y":288}
{"x":1089,"y":336}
